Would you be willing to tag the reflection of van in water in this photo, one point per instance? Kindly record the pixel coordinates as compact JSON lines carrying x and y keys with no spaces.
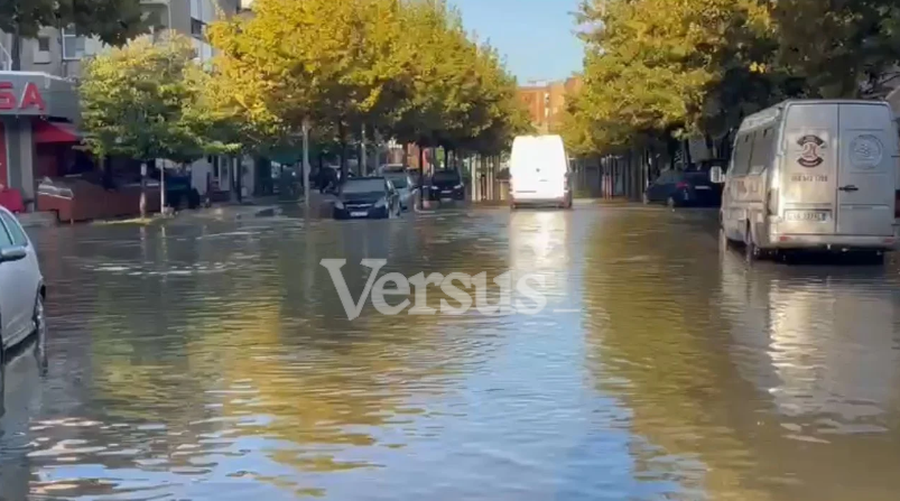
{"x":539,"y":172}
{"x":814,"y":175}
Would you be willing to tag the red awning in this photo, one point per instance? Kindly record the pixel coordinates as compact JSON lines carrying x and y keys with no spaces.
{"x":55,"y":132}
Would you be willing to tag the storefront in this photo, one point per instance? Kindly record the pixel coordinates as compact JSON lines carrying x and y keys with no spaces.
{"x":37,"y":131}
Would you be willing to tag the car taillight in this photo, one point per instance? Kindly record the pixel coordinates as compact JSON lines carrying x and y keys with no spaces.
{"x":682,"y":185}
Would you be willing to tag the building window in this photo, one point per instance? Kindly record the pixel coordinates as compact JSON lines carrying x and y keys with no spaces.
{"x":198,"y":29}
{"x":42,"y":50}
{"x":73,"y":44}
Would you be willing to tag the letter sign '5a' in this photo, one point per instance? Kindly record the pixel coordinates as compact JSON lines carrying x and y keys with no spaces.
{"x":31,"y":97}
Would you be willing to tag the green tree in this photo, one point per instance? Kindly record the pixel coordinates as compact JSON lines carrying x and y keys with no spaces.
{"x":320,"y":61}
{"x":113,"y":21}
{"x":137,"y":101}
{"x":840,"y":48}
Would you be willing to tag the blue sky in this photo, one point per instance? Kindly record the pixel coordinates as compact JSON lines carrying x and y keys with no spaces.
{"x":535,"y":36}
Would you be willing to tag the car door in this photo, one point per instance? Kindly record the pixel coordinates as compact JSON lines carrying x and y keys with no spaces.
{"x":12,"y":274}
{"x":866,"y":171}
{"x":809,"y":171}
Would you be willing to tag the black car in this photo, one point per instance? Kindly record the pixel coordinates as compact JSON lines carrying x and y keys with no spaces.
{"x":446,"y":185}
{"x":367,"y":197}
{"x":679,"y":189}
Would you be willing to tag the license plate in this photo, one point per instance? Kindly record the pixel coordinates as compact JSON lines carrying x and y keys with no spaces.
{"x":446,"y":199}
{"x":359,"y":214}
{"x":446,"y":191}
{"x":807,"y":215}
{"x":702,"y":188}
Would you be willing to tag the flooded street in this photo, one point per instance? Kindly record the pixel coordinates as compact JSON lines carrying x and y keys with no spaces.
{"x":216,"y":361}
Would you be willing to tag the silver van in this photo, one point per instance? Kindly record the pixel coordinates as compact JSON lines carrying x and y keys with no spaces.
{"x":814,"y":174}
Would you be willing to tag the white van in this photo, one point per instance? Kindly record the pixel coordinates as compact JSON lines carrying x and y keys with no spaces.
{"x":814,"y":174}
{"x":539,"y":172}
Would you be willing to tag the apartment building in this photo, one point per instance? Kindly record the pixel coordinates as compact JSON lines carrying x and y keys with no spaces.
{"x":39,"y":104}
{"x":546,"y":101}
{"x":59,"y":52}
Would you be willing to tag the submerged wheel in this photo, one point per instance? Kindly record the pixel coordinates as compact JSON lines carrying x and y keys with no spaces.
{"x":38,"y":317}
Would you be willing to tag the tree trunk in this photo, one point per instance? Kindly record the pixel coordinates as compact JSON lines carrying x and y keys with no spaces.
{"x":363,"y":164}
{"x":239,"y":178}
{"x":421,"y":176}
{"x":342,"y":140}
{"x":143,"y":202}
{"x":162,"y":189}
{"x":15,"y":52}
{"x":306,"y":164}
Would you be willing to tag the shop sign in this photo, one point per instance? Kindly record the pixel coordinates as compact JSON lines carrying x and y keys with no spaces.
{"x":28,"y":100}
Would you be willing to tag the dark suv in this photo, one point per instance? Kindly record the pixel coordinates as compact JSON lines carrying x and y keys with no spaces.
{"x":689,"y":188}
{"x":447,"y":185}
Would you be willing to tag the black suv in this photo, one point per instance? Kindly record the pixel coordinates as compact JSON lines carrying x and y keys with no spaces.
{"x":446,"y":185}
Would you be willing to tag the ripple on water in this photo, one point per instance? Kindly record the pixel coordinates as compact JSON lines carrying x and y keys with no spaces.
{"x":214,"y":360}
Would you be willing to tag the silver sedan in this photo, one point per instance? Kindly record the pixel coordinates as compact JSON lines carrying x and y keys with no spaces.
{"x":21,"y":285}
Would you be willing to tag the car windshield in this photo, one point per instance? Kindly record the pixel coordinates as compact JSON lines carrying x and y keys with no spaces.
{"x":697,"y":177}
{"x":372,"y":185}
{"x":446,"y":177}
{"x":400,"y":181}
{"x":393,"y":168}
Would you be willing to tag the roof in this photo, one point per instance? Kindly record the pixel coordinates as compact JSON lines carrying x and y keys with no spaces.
{"x":772,"y":113}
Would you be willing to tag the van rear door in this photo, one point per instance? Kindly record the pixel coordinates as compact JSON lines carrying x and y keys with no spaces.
{"x":809,"y":173}
{"x":866,"y":185}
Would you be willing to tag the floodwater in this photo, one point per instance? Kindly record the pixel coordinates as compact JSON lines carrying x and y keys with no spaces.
{"x":216,"y":361}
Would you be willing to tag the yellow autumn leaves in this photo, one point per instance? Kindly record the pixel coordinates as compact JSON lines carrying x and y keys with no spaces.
{"x":663,"y":69}
{"x":405,"y":69}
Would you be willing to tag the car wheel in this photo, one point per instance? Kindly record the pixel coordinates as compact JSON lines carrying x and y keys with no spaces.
{"x":38,"y":317}
{"x":671,"y":202}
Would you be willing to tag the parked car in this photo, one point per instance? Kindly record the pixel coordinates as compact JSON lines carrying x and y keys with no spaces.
{"x":405,"y":186}
{"x":21,"y":285}
{"x":367,"y":197}
{"x":684,"y":188}
{"x":447,"y":185}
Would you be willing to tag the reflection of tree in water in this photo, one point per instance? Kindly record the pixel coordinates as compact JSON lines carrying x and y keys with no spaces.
{"x":659,"y":347}
{"x":677,"y":333}
{"x":265,"y":350}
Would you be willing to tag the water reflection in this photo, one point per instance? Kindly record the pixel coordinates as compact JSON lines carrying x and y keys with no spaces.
{"x":748,"y":382}
{"x":20,"y":400}
{"x":216,"y":361}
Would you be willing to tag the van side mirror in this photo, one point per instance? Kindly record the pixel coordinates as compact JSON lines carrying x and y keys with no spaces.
{"x":717,"y":175}
{"x":10,"y":254}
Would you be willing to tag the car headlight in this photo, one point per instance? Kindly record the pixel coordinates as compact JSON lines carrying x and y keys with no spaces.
{"x":381,"y":203}
{"x":338,"y":204}
{"x":458,"y":187}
